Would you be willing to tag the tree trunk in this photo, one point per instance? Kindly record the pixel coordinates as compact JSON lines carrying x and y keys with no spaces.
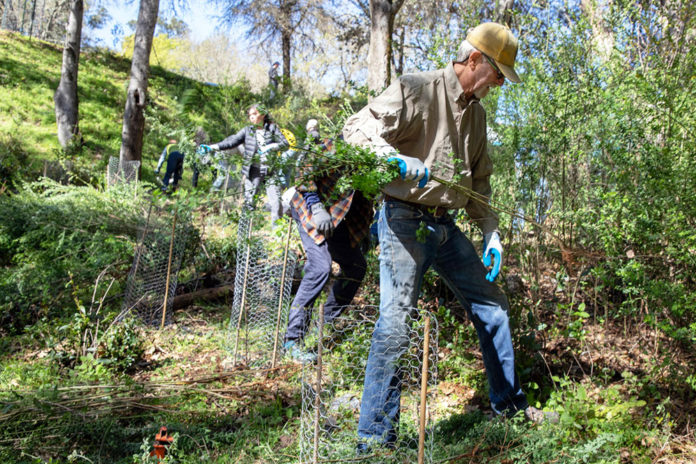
{"x":286,"y":43}
{"x":65,"y":97}
{"x":206,"y":294}
{"x":6,"y":14}
{"x":398,"y":54}
{"x":24,"y":11}
{"x":133,"y":116}
{"x":504,"y":12}
{"x":33,"y":15}
{"x":379,"y":58}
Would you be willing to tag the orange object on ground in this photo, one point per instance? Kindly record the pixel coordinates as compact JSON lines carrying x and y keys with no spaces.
{"x":162,"y":440}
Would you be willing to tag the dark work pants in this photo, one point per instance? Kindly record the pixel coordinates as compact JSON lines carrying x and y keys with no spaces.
{"x":194,"y":176}
{"x":316,"y":273}
{"x":175,"y":167}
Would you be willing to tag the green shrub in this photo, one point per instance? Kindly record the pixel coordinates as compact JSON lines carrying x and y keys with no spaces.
{"x":54,"y":242}
{"x":14,"y":160}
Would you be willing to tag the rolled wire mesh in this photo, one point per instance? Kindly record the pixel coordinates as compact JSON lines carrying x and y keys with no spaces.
{"x":121,"y":171}
{"x":151,"y":286}
{"x":262,"y":286}
{"x":332,"y":388}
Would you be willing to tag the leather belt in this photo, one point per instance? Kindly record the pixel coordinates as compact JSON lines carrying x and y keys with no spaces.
{"x":434,"y":211}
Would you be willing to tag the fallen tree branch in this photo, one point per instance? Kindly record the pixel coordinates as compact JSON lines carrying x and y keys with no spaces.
{"x":206,"y":294}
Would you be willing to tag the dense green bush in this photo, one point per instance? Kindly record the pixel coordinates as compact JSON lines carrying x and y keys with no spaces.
{"x":55,"y":240}
{"x":598,"y":149}
{"x":13,"y":160}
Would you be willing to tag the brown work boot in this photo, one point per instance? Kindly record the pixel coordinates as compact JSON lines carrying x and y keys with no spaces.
{"x":538,"y":416}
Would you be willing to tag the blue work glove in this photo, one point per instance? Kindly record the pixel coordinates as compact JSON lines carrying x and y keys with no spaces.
{"x":411,"y":169}
{"x":492,"y":247}
{"x":203,"y":149}
{"x":322,"y":220}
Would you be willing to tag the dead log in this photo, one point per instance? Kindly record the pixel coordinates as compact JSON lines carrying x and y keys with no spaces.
{"x":206,"y":294}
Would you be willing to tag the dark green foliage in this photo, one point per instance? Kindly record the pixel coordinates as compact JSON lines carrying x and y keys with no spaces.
{"x":51,"y":235}
{"x":14,"y":160}
{"x":601,"y":148}
{"x":359,"y":168}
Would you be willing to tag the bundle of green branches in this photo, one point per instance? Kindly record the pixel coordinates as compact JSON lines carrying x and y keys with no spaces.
{"x":356,"y":168}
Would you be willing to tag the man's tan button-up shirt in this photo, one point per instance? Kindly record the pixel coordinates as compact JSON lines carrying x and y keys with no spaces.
{"x":427,"y":116}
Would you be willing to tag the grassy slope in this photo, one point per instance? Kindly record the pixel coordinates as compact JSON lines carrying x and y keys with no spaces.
{"x":29,"y":74}
{"x":603,"y":422}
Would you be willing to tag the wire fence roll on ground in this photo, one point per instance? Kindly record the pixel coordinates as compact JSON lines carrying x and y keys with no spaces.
{"x":163,"y":239}
{"x":263,"y":281}
{"x":332,"y":388}
{"x":118,"y":172}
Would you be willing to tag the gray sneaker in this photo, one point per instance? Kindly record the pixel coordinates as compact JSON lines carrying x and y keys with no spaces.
{"x":538,"y":416}
{"x":297,"y":353}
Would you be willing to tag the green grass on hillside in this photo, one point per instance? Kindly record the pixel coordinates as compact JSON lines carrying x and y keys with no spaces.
{"x":30,"y":72}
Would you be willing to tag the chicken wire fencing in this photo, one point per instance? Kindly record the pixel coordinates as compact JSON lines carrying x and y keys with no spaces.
{"x":118,"y":172}
{"x":262,"y":286}
{"x":332,"y":388}
{"x":162,"y":242}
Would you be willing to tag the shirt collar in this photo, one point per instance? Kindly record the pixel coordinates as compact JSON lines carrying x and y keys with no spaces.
{"x":454,"y":88}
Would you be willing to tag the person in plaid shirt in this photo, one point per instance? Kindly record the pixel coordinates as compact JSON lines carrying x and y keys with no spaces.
{"x":332,"y":227}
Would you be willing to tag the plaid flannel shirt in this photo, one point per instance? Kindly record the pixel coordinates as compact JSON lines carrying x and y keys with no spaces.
{"x":360,"y":208}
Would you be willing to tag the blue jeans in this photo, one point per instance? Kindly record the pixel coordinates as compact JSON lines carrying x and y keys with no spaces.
{"x":403,"y":262}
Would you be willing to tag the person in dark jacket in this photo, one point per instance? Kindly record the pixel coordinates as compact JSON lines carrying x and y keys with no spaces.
{"x":262,"y":140}
{"x":273,"y":78}
{"x":175,"y":165}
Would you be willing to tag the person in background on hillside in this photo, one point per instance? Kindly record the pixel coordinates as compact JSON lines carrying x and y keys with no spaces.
{"x":295,"y":159}
{"x":434,"y":122}
{"x":332,"y":227}
{"x":312,"y":128}
{"x":175,"y":165}
{"x":262,"y":140}
{"x":273,"y":78}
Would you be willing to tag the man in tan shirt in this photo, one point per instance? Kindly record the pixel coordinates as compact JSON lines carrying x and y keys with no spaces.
{"x":433,"y":122}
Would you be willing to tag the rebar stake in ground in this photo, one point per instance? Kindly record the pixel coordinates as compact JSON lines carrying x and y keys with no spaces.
{"x":317,"y":391}
{"x":424,"y":391}
{"x":169,"y":272}
{"x":280,"y":300}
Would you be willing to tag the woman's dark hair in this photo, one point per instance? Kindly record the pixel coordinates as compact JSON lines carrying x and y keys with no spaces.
{"x":261,"y":108}
{"x":201,"y":136}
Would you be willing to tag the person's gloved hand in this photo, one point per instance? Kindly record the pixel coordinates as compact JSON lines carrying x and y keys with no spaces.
{"x":202,"y":148}
{"x":411,"y":169}
{"x":492,"y":247}
{"x":322,"y":220}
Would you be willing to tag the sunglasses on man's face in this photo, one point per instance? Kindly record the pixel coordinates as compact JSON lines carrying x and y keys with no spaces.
{"x":495,"y":67}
